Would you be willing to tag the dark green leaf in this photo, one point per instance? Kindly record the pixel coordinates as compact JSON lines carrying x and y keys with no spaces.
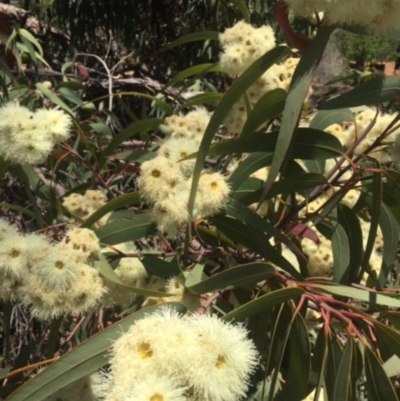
{"x":323,"y":119}
{"x":248,"y":166}
{"x":262,"y":303}
{"x":192,"y":37}
{"x":379,"y":386}
{"x":238,"y":276}
{"x":160,"y":267}
{"x":297,"y":93}
{"x":267,"y":107}
{"x":342,"y":386}
{"x":132,"y":198}
{"x":203,"y":98}
{"x":119,"y":231}
{"x":307,"y":144}
{"x":377,"y":90}
{"x":195,"y":70}
{"x":228,"y":100}
{"x":295,"y":387}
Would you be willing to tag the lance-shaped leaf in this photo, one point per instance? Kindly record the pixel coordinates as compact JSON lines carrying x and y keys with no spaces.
{"x":202,"y":99}
{"x":335,"y":354}
{"x":192,"y":37}
{"x":377,"y":90}
{"x":262,"y":303}
{"x":237,"y":90}
{"x":191,"y":71}
{"x":378,"y":384}
{"x":161,"y":268}
{"x":119,"y":231}
{"x":372,"y":297}
{"x":296,"y":381}
{"x":132,"y":198}
{"x":342,"y":386}
{"x":297,"y":93}
{"x":267,"y":107}
{"x":308,"y":144}
{"x":237,"y":276}
{"x":324,"y":118}
{"x":106,"y":271}
{"x":83,"y":360}
{"x":248,"y":166}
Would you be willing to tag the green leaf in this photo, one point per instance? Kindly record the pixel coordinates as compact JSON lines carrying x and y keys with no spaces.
{"x":199,"y":69}
{"x":101,"y":128}
{"x":203,"y":98}
{"x":237,"y":276}
{"x":27,"y":35}
{"x":83,"y":360}
{"x":107,"y":271}
{"x":267,"y":107}
{"x":228,"y":100}
{"x":132,"y":198}
{"x":391,"y":192}
{"x":248,"y":166}
{"x":297,"y":93}
{"x":388,"y":340}
{"x":70,"y":96}
{"x":371,"y":297}
{"x":295,"y":183}
{"x":341,"y":253}
{"x":119,"y":231}
{"x":17,"y":209}
{"x":53,"y":98}
{"x":351,"y":226}
{"x":295,"y":387}
{"x":318,"y":362}
{"x":379,"y":386}
{"x":262,"y":303}
{"x":127,"y":133}
{"x":192,"y":37}
{"x":335,"y":355}
{"x":160,"y":267}
{"x":376,"y":91}
{"x":374,"y":205}
{"x":391,"y":233}
{"x":323,"y":119}
{"x":342,"y":386}
{"x":308,"y":144}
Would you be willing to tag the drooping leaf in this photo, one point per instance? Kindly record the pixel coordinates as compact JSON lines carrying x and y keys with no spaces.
{"x":199,"y":69}
{"x":378,"y":384}
{"x":160,"y":267}
{"x":267,"y":107}
{"x":237,"y":276}
{"x":323,"y":119}
{"x":307,"y":144}
{"x":296,"y":381}
{"x":377,"y":90}
{"x":342,"y":386}
{"x":351,"y":226}
{"x":248,"y":166}
{"x":297,"y":93}
{"x":371,"y":297}
{"x":132,"y":198}
{"x":335,"y":354}
{"x":263,"y":302}
{"x":228,"y":100}
{"x":119,"y":231}
{"x":107,"y":271}
{"x":53,"y":98}
{"x":83,"y":360}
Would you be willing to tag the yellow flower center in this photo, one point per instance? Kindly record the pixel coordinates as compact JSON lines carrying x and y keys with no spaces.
{"x":156,"y":397}
{"x":59,"y":265}
{"x":14,"y":253}
{"x":221,"y":362}
{"x":145,"y":351}
{"x":156,"y":173}
{"x":214,"y":186}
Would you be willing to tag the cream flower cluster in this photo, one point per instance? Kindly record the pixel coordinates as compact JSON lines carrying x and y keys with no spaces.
{"x":241,"y":46}
{"x":165,"y":181}
{"x":131,"y":272}
{"x":29,"y":137}
{"x":85,"y":205}
{"x":166,"y":356}
{"x":52,"y":279}
{"x":320,"y":256}
{"x":376,"y":15}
